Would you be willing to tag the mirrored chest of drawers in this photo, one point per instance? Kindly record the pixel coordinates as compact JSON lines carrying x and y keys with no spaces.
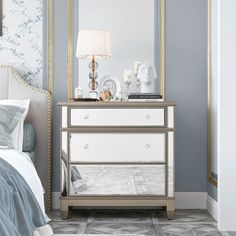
{"x":117,"y":154}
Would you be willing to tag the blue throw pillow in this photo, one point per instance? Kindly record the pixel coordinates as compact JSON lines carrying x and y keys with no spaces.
{"x":29,"y":139}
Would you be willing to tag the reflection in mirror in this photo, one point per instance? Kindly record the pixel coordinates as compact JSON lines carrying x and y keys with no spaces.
{"x":129,"y":180}
{"x":170,"y":164}
{"x":212,"y":90}
{"x":135,"y":35}
{"x":64,"y":162}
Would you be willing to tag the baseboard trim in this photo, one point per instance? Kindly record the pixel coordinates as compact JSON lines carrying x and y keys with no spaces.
{"x":190,"y":200}
{"x":211,"y":206}
{"x":184,"y":200}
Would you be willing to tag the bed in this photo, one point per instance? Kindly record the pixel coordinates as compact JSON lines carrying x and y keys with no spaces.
{"x":39,"y":115}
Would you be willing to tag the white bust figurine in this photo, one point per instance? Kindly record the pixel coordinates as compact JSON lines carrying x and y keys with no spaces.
{"x":146,"y":75}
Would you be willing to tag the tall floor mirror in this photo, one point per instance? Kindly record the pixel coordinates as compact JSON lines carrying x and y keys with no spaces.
{"x":137,"y":35}
{"x":212,"y":90}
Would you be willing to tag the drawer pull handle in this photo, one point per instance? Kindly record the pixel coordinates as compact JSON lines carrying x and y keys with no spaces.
{"x":148,"y":146}
{"x":86,"y":117}
{"x":148,"y":117}
{"x":86,"y":146}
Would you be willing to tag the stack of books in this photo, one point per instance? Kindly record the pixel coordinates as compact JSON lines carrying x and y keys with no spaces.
{"x":145,"y":97}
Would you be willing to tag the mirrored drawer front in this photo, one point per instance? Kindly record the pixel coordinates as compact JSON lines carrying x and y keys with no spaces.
{"x":117,"y":147}
{"x":117,"y":117}
{"x":117,"y":180}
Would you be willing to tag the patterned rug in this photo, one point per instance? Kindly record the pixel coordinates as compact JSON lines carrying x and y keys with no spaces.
{"x":99,"y":234}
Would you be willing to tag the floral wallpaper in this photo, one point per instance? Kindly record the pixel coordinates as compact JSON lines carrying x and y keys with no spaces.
{"x":21,"y":42}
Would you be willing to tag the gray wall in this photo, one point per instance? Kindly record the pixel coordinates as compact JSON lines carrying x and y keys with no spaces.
{"x":186,"y":77}
{"x":60,"y":80}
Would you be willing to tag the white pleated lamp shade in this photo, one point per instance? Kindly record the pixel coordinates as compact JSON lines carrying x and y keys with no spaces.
{"x":93,"y":43}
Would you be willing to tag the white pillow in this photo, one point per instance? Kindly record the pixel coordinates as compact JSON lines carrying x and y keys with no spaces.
{"x":18,"y":133}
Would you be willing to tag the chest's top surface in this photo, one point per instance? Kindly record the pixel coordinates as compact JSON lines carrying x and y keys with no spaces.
{"x":116,"y":104}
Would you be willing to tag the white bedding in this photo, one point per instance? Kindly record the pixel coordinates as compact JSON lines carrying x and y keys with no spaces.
{"x":22,"y":163}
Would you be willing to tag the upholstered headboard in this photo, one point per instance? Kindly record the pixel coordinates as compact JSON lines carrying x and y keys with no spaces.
{"x":13,"y":87}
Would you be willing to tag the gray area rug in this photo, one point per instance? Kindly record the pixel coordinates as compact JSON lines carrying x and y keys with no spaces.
{"x":99,"y":234}
{"x":148,"y":222}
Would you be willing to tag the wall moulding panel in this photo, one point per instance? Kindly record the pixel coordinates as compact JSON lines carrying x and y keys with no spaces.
{"x":227,"y":115}
{"x":50,"y":45}
{"x":26,"y":42}
{"x":212,"y":91}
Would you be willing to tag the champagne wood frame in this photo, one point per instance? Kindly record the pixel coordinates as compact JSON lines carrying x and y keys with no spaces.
{"x":211,"y":179}
{"x":70,"y":48}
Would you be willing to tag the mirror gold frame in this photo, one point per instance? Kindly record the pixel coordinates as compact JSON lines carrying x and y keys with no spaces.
{"x":50,"y":68}
{"x":70,"y":48}
{"x":211,"y":178}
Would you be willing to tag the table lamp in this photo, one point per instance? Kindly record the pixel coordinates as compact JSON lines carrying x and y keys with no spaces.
{"x":91,"y":45}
